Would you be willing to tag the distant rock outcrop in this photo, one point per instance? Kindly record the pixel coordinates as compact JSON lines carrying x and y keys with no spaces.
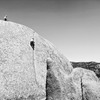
{"x":94,"y":66}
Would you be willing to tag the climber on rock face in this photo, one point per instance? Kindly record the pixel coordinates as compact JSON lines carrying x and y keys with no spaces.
{"x":5,"y":18}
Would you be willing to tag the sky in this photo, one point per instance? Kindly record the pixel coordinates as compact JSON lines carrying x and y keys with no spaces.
{"x":73,"y":26}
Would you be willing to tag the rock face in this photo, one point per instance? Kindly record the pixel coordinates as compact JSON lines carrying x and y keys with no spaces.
{"x":87,"y":83}
{"x":86,"y":75}
{"x":30,"y":65}
{"x":31,"y":68}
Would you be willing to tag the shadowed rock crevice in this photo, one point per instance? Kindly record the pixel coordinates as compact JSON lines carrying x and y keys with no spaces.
{"x":32,"y":43}
{"x":82,"y":88}
{"x":53,"y":90}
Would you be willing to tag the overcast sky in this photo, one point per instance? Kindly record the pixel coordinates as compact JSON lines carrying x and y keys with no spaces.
{"x":73,"y":26}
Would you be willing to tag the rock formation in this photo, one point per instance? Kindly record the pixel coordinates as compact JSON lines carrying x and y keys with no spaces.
{"x":31,"y":68}
{"x":89,"y":75}
{"x":24,"y":64}
{"x":94,"y":66}
{"x":87,"y":83}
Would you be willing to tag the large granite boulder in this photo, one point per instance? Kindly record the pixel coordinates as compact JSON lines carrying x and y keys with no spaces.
{"x":94,"y":66}
{"x":30,"y":66}
{"x":87,"y":83}
{"x":80,"y":84}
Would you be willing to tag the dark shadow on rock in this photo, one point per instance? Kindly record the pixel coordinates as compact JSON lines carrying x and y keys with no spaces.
{"x":32,"y":43}
{"x":53,"y":90}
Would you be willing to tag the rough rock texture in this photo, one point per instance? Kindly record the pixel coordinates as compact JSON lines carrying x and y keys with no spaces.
{"x":87,"y":84}
{"x":94,"y":66}
{"x":28,"y":64}
{"x":31,"y":68}
{"x":80,"y":84}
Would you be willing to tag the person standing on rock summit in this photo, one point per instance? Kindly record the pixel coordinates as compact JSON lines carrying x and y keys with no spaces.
{"x":5,"y":18}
